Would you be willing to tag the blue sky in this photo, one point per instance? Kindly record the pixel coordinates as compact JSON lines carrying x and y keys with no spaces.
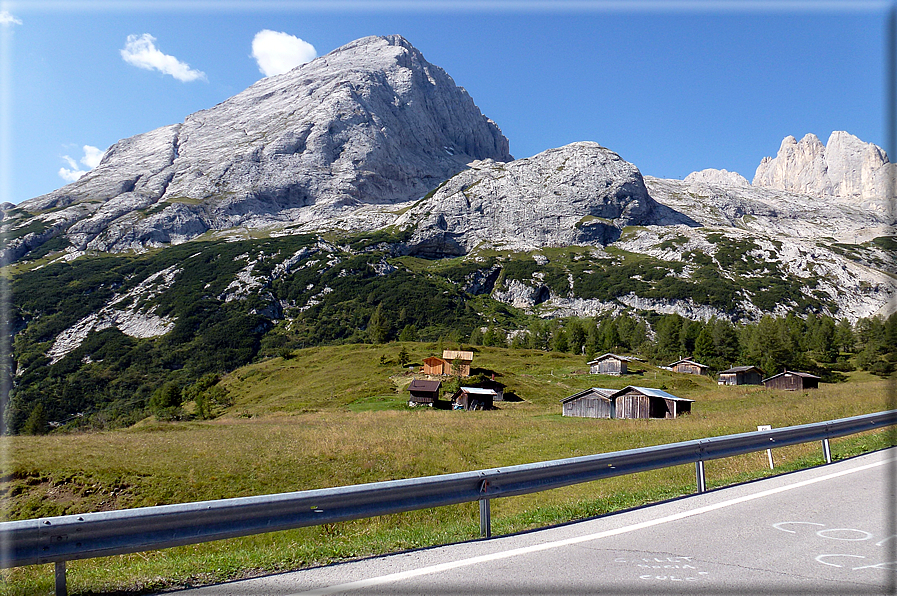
{"x":672,"y":87}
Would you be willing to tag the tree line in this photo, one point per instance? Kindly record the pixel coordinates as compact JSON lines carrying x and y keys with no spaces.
{"x":816,"y":343}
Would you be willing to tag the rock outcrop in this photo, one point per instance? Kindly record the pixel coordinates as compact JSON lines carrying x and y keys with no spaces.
{"x":845,"y":168}
{"x":770,"y":211}
{"x":580,"y":193}
{"x":369,"y":123}
{"x":717,"y":177}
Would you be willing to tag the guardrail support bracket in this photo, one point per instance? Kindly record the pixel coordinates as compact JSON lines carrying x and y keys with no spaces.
{"x":485,"y":519}
{"x":60,"y":579}
{"x":699,"y":475}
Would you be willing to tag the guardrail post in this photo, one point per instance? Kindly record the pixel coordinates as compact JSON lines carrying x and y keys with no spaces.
{"x":827,"y":450}
{"x":699,"y":474}
{"x":60,"y":579}
{"x":485,"y":519}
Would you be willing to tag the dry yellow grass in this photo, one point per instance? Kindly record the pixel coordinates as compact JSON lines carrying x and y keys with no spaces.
{"x":299,"y":437}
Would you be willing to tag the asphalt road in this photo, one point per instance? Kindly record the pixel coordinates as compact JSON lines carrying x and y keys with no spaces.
{"x":827,"y":530}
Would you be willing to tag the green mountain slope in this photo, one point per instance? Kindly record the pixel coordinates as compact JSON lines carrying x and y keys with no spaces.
{"x":96,"y":336}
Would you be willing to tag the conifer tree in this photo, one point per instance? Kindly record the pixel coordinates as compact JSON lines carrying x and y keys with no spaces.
{"x":476,"y":336}
{"x":844,"y":337}
{"x":593,"y":341}
{"x":378,"y":326}
{"x":576,"y":336}
{"x":705,"y":351}
{"x":36,"y":424}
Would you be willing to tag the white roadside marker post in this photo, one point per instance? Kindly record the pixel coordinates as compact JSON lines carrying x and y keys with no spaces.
{"x":768,"y":451}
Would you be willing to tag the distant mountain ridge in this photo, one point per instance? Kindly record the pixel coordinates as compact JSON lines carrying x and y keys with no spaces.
{"x":373,"y":138}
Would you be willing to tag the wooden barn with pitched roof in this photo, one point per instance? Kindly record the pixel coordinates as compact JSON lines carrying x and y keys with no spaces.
{"x":436,"y":366}
{"x":424,"y":392}
{"x":462,"y":357}
{"x":689,"y":367}
{"x":741,"y":375}
{"x":473,"y":398}
{"x":594,"y":402}
{"x":647,"y":402}
{"x":792,"y":381}
{"x":609,"y":364}
{"x":629,"y":402}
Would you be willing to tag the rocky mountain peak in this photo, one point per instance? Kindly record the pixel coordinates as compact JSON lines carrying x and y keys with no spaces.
{"x":371,"y":122}
{"x":845,"y":168}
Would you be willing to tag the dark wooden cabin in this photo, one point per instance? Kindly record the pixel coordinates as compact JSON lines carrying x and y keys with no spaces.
{"x":592,"y":403}
{"x":646,"y":402}
{"x":424,"y":392}
{"x":741,"y":375}
{"x":473,"y":398}
{"x":609,"y":364}
{"x":436,"y":366}
{"x":689,"y":367}
{"x":792,"y":381}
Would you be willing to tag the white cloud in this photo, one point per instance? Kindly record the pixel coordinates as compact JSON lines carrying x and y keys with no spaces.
{"x":92,"y":156}
{"x":91,"y":159}
{"x":70,"y":175}
{"x":7,"y":19}
{"x":141,"y":52}
{"x":278,"y":52}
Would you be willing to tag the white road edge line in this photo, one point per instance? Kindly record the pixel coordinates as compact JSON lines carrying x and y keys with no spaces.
{"x":394,"y":577}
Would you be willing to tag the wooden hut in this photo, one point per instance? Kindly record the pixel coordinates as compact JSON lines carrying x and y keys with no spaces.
{"x":741,"y":375}
{"x":424,"y":392}
{"x":473,"y":398}
{"x":463,"y":357}
{"x":494,"y":385}
{"x":609,"y":364}
{"x":792,"y":381}
{"x":436,"y":366}
{"x":594,"y":402}
{"x":689,"y":367}
{"x":646,"y":402}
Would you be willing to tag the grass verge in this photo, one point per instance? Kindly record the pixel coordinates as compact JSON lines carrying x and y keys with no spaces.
{"x":289,"y":429}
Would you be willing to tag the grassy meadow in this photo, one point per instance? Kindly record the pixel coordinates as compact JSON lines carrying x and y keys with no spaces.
{"x":331,"y":416}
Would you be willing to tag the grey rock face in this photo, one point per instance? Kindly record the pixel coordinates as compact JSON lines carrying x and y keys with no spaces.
{"x":769,"y":211}
{"x":845,"y":168}
{"x":581,"y":193}
{"x":369,"y":123}
{"x":718,"y":177}
{"x":522,"y":295}
{"x":807,"y":236}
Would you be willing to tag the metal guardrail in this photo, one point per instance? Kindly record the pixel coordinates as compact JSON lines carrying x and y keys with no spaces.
{"x":70,"y":537}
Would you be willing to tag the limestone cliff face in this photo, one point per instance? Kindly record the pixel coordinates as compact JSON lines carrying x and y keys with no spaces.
{"x":717,"y":177}
{"x":845,"y":168}
{"x":580,"y":193}
{"x":370,"y":123}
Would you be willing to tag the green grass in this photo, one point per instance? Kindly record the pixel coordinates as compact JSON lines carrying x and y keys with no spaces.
{"x":333,"y":416}
{"x":886,"y":242}
{"x":590,"y":218}
{"x":36,"y":226}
